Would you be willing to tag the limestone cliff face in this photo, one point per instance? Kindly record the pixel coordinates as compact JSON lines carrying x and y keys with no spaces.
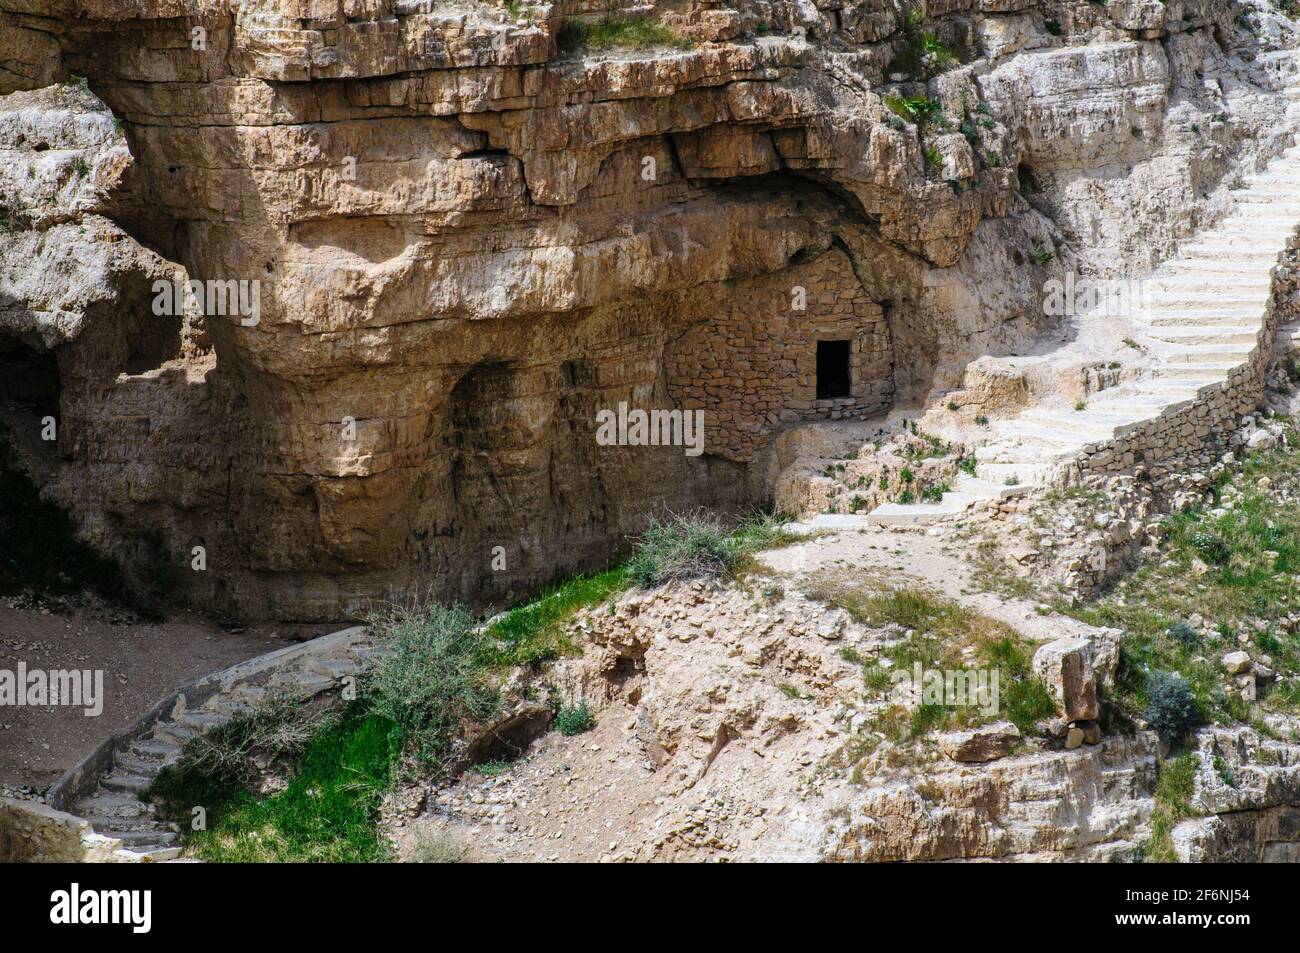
{"x":465,"y":242}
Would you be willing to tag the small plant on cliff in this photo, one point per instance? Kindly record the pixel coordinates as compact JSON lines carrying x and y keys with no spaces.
{"x":921,"y":111}
{"x":934,"y":492}
{"x":922,"y":54}
{"x":1040,"y":255}
{"x":1171,"y":709}
{"x":574,"y":720}
{"x":638,"y":33}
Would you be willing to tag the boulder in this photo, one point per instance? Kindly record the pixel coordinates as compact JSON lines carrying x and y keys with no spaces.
{"x":1262,"y":440}
{"x":1236,"y":662}
{"x":1066,"y":665}
{"x":985,"y":743}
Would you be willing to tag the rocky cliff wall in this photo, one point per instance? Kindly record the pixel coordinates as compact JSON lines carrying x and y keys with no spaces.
{"x":458,"y":239}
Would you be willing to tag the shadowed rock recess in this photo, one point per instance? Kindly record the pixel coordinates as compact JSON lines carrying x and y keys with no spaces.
{"x":435,"y":242}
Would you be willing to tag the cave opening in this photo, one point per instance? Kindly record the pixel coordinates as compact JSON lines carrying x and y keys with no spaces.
{"x":834,"y":377}
{"x":29,"y":379}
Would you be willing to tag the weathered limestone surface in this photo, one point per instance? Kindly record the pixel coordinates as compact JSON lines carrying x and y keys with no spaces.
{"x":466,"y":243}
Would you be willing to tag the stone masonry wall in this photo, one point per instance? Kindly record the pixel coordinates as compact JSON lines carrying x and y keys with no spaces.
{"x":754,"y":365}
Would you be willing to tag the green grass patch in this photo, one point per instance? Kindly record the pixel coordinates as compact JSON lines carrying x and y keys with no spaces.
{"x":533,"y":632}
{"x":1175,"y":784}
{"x":325,"y":814}
{"x":635,"y":33}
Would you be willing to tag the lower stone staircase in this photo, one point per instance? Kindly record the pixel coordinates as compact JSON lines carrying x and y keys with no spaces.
{"x":106,"y":788}
{"x":1203,"y":317}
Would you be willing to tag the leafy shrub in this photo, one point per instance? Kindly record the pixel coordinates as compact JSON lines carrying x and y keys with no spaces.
{"x":1171,"y":708}
{"x":1182,"y":631}
{"x":429,"y":676}
{"x":575,"y":720}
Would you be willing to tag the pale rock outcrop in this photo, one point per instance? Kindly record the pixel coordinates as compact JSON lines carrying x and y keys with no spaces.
{"x":985,"y":743}
{"x":1066,"y":665}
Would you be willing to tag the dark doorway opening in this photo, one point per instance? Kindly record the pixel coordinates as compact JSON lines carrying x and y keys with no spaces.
{"x":832,"y":369}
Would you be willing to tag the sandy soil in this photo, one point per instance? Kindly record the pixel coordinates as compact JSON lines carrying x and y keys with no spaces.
{"x":141,"y":664}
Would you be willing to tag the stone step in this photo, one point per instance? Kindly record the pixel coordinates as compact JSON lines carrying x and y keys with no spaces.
{"x":126,"y":783}
{"x":171,"y":732}
{"x":1020,"y":454}
{"x":1213,"y":248}
{"x":1268,"y":235}
{"x":830,"y":521}
{"x":1078,"y":432}
{"x":916,"y":514}
{"x":335,"y":668}
{"x":142,"y":840}
{"x":152,"y":748}
{"x":200,"y":721}
{"x":1205,"y":371}
{"x":1228,"y":318}
{"x":301,"y":684}
{"x":1209,"y":266}
{"x":977,"y":486}
{"x":1243,"y":337}
{"x":1027,"y":474}
{"x":1214,"y":282}
{"x":1087,"y":422}
{"x":124,"y":763}
{"x":158,"y":855}
{"x":113,"y":825}
{"x":1230,"y":354}
{"x":252,"y":695}
{"x":1164,"y":299}
{"x":1278,"y":198}
{"x":224,"y":707}
{"x":109,"y":804}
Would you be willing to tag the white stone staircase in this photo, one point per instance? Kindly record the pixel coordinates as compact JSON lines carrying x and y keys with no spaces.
{"x":106,"y":788}
{"x":1203,"y":317}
